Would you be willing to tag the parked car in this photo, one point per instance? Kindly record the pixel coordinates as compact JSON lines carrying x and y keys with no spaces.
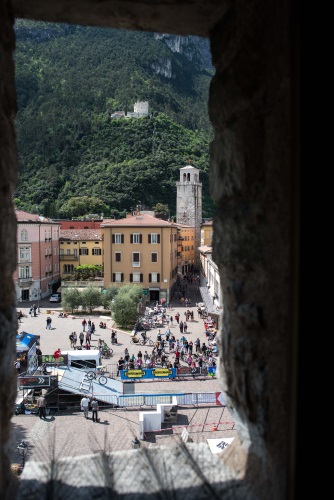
{"x":55,"y":297}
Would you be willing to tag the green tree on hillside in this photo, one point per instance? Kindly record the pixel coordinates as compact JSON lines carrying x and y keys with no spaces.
{"x":82,"y":205}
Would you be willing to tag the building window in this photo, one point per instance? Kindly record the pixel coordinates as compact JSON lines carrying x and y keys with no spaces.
{"x":75,"y":252}
{"x":117,"y":238}
{"x":136,"y":238}
{"x":68,"y":251}
{"x":24,"y":253}
{"x":96,"y":251}
{"x":136,"y":278}
{"x":117,"y":277}
{"x":154,"y":277}
{"x":61,"y":251}
{"x":154,"y":257}
{"x":68,"y":269}
{"x":118,"y":256}
{"x":83,"y":251}
{"x":154,"y":238}
{"x":135,"y":259}
{"x":24,"y":235}
{"x":24,"y":272}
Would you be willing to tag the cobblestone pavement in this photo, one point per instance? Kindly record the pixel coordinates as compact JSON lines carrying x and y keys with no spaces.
{"x":70,"y":434}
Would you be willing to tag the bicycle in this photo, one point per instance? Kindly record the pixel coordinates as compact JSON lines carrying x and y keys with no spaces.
{"x":147,"y":341}
{"x":105,"y":353}
{"x":100,"y":375}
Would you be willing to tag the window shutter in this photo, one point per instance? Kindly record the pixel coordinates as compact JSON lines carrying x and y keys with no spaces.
{"x":149,"y":238}
{"x":122,"y":277}
{"x":158,"y":238}
{"x":158,"y":278}
{"x":113,"y":277}
{"x":150,"y":278}
{"x":112,"y":238}
{"x":131,"y":238}
{"x":131,"y":278}
{"x":140,"y":238}
{"x":122,"y":238}
{"x":141,"y":278}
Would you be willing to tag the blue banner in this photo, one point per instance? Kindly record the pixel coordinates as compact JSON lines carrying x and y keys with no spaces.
{"x":145,"y":373}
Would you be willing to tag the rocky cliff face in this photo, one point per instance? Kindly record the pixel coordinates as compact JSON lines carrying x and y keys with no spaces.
{"x":195,"y":48}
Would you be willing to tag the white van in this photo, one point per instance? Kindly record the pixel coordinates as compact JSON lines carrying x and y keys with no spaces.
{"x":85,"y":359}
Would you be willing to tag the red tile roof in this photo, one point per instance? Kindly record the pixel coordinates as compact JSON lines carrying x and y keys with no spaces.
{"x":80,"y":234}
{"x":143,"y":220}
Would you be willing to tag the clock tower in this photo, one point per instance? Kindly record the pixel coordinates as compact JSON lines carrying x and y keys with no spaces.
{"x":189,"y":203}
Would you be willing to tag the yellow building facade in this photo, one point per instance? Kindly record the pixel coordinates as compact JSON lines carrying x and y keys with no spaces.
{"x":79,"y":247}
{"x":141,"y":249}
{"x":186,"y":248}
{"x":206,"y":233}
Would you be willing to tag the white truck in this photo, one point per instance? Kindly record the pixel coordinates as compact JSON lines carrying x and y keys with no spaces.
{"x":86,"y":359}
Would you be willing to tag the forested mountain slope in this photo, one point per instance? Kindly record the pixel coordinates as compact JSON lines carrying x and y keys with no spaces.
{"x":69,"y":79}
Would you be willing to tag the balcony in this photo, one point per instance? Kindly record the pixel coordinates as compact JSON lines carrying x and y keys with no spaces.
{"x":25,"y":281}
{"x":68,"y":257}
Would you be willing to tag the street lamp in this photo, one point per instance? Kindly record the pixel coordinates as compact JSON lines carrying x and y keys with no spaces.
{"x":23,"y":450}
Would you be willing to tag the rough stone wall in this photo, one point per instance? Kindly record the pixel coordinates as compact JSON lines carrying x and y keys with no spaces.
{"x":8,"y":175}
{"x":251,"y":182}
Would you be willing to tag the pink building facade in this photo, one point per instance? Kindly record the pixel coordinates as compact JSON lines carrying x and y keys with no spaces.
{"x":37,"y":271}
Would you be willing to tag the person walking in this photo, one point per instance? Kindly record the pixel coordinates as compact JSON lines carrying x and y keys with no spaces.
{"x":81,"y":338}
{"x":57,"y":354}
{"x":17,"y":365}
{"x":41,"y":405}
{"x":120,"y":365}
{"x":84,"y":323}
{"x":85,"y":405}
{"x":197,"y":344}
{"x":48,"y":323}
{"x":71,"y":337}
{"x":75,"y":339}
{"x":95,"y":409}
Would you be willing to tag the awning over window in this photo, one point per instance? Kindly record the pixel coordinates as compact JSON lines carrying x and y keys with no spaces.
{"x":208,"y":301}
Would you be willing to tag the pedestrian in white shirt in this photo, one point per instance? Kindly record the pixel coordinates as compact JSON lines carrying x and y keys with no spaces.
{"x":85,"y":405}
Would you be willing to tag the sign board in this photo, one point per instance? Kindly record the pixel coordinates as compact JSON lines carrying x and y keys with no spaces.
{"x":145,"y":373}
{"x":219,"y":445}
{"x":49,"y":358}
{"x":34,"y":381}
{"x":145,"y":291}
{"x":185,"y":435}
{"x":219,"y":399}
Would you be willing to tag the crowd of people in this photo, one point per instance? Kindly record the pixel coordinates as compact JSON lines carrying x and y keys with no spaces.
{"x":184,"y":353}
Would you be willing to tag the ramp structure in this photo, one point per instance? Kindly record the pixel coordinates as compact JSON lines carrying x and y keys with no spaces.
{"x":76,"y":381}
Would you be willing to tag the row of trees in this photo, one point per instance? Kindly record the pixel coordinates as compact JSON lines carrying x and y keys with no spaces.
{"x":121,"y":301}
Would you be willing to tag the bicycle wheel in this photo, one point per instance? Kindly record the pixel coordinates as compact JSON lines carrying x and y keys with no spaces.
{"x":102,"y":380}
{"x":151,"y":343}
{"x":90,"y":375}
{"x":111,"y":351}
